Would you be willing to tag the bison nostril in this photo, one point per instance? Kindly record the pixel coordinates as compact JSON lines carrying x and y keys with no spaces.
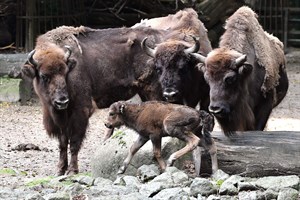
{"x":215,"y":109}
{"x":169,"y":94}
{"x":62,"y":103}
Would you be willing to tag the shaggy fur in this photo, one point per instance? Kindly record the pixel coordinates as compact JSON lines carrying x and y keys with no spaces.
{"x":244,"y":33}
{"x":180,"y":80}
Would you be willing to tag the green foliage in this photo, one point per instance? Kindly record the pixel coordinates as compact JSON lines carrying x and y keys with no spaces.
{"x":119,"y":136}
{"x":219,"y":183}
{"x":40,"y":181}
{"x":8,"y":171}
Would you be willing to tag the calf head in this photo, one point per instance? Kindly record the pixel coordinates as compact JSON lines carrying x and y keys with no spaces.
{"x":174,"y":65}
{"x":49,"y":71}
{"x":226,"y":72}
{"x":115,"y":118}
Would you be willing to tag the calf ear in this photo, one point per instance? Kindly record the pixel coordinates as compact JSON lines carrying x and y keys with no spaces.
{"x":245,"y":69}
{"x":122,"y":108}
{"x":28,"y":70}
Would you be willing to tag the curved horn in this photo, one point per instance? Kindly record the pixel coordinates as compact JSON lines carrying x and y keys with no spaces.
{"x":193,"y":49}
{"x":31,"y":59}
{"x":68,"y":53}
{"x":199,"y":57}
{"x":150,"y":52}
{"x":240,"y":60}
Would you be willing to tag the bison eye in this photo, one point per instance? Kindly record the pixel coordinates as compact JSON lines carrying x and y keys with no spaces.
{"x":44,"y":77}
{"x":229,"y":80}
{"x":111,"y":114}
{"x":158,"y":70}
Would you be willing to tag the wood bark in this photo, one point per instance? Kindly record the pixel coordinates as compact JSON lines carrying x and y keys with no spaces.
{"x":258,"y":153}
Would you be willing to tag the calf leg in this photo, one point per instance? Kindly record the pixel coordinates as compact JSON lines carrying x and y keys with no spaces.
{"x":197,"y":159}
{"x":133,"y":149}
{"x":63,"y":155}
{"x":156,"y":142}
{"x":192,"y":142}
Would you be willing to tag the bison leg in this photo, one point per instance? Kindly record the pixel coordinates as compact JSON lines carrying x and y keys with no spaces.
{"x":192,"y":142}
{"x":197,"y":159}
{"x":133,"y":149}
{"x":108,"y":133}
{"x":263,"y":111}
{"x":156,"y":142}
{"x":63,"y":155}
{"x":212,"y":149}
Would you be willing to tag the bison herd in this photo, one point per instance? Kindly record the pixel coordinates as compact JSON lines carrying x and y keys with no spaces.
{"x":167,"y":61}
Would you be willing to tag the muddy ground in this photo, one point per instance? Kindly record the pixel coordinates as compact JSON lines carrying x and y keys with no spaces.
{"x":23,"y":125}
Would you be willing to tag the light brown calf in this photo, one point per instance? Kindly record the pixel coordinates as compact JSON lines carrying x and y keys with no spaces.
{"x":154,"y":120}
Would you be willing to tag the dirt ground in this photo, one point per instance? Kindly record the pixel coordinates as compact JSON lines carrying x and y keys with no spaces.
{"x":23,"y":125}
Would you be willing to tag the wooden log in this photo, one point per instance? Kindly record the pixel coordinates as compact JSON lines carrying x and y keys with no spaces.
{"x":259,"y":153}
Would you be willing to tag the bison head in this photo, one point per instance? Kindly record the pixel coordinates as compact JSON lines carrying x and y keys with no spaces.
{"x":226,"y":72}
{"x":114,"y":119}
{"x":174,"y":65}
{"x":49,"y":72}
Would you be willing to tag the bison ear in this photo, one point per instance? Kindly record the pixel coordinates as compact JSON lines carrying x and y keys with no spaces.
{"x":28,"y":70}
{"x":122,"y":108}
{"x":245,"y":69}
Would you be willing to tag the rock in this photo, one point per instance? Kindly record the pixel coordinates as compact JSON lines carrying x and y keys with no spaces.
{"x":270,"y":194}
{"x":151,"y":188}
{"x":34,"y":196}
{"x":85,"y":180}
{"x":291,"y":181}
{"x":111,"y":154}
{"x":57,"y":196}
{"x":202,"y":186}
{"x":288,"y":194}
{"x":147,"y":172}
{"x":129,"y":181}
{"x":102,"y":182}
{"x":74,"y":189}
{"x":220,"y":175}
{"x":248,"y":195}
{"x":172,"y":193}
{"x":246,"y":186}
{"x":229,"y":186}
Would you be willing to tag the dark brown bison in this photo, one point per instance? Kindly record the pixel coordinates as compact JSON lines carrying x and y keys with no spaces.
{"x":246,"y":74}
{"x":180,"y":80}
{"x":75,"y":68}
{"x":153,"y":120}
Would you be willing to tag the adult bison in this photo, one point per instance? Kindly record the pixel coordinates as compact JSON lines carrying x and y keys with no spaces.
{"x":73,"y":67}
{"x":180,"y":80}
{"x":246,"y":74}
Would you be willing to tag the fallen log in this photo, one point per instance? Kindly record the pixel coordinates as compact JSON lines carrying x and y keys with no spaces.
{"x":258,"y":153}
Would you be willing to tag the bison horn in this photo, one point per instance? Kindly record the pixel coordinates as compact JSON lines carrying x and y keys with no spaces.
{"x":68,"y":53}
{"x":31,"y":59}
{"x":193,"y":49}
{"x":150,"y":52}
{"x":240,"y":60}
{"x":199,"y":57}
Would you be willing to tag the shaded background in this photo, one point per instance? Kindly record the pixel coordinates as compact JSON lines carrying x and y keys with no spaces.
{"x":21,"y":21}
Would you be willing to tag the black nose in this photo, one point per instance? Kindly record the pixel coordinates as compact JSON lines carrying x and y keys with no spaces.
{"x":170,"y":94}
{"x":218,"y":109}
{"x":61,"y":103}
{"x":108,"y":125}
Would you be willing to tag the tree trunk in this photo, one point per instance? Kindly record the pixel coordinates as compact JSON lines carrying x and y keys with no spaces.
{"x":259,"y":153}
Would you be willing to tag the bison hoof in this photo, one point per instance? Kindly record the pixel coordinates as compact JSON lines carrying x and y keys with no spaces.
{"x":60,"y":173}
{"x":170,"y":162}
{"x":121,"y":170}
{"x":72,"y":172}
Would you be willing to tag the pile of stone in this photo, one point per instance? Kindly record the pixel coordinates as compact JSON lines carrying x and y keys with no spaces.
{"x":150,"y":184}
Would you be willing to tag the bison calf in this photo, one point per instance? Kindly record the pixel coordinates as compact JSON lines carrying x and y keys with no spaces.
{"x":154,"y":120}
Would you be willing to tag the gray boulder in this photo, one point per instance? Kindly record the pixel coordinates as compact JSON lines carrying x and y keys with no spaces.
{"x":111,"y":154}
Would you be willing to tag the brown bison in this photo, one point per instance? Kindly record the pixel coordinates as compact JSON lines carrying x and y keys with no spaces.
{"x":246,"y":74}
{"x":75,"y":68}
{"x":153,"y":120}
{"x":180,"y":80}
